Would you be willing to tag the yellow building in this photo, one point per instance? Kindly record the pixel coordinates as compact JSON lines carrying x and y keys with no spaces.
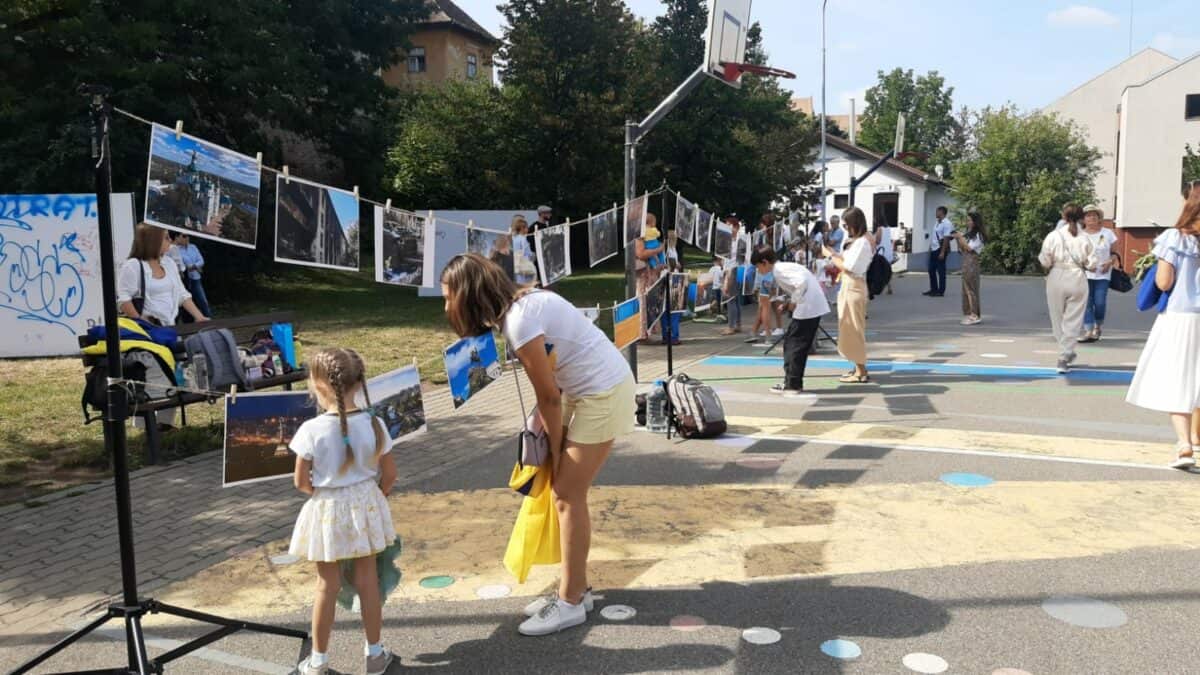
{"x":450,"y":45}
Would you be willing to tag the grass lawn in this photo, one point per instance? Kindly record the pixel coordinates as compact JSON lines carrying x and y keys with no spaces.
{"x":45,"y":446}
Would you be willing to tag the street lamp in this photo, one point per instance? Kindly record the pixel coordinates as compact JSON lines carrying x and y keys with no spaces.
{"x":823,"y":4}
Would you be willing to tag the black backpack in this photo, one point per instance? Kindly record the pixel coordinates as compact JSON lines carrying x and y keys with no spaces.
{"x":879,"y":274}
{"x":95,"y":388}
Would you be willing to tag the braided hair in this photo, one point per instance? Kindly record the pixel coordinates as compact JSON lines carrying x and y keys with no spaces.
{"x":341,"y":373}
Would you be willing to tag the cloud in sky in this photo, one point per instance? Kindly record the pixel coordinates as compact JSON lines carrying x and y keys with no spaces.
{"x":1176,"y":45}
{"x":1081,"y":16}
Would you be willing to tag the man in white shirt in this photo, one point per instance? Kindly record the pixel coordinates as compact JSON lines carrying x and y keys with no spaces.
{"x":836,"y":237}
{"x":939,"y":248}
{"x":799,"y":292}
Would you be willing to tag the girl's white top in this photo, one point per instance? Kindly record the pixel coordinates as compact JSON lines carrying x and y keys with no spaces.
{"x":1073,"y":255}
{"x":320,"y":439}
{"x":1182,"y":251}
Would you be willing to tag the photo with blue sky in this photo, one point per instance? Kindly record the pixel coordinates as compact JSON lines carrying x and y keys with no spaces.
{"x":210,"y":158}
{"x":458,"y":362}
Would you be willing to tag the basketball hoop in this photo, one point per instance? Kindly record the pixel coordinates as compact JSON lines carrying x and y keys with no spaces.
{"x":732,"y":72}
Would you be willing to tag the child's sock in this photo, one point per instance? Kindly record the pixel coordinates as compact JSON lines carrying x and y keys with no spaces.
{"x":375,"y":649}
{"x":318,"y":659}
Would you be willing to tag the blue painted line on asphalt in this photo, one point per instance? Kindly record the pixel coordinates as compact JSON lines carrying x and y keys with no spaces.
{"x":841,"y":649}
{"x":967,"y":479}
{"x":1016,"y":372}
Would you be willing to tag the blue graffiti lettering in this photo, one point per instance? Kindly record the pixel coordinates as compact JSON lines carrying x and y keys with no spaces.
{"x":42,"y":287}
{"x":14,"y":209}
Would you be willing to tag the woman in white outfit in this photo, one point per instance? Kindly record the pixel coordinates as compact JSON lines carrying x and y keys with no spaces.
{"x":1067,"y":254}
{"x":1168,"y":373}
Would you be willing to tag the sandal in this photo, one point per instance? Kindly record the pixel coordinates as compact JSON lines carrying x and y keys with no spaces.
{"x":1183,"y":461}
{"x":851,"y":378}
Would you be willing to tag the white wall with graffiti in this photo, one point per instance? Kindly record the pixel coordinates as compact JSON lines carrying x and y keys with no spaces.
{"x":50,"y":289}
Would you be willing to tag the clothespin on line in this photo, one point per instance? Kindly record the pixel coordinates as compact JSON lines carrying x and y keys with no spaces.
{"x":356,"y":192}
{"x":387,"y":205}
{"x":258,"y":158}
{"x":178,"y":129}
{"x":233,"y":394}
{"x":287,"y":177}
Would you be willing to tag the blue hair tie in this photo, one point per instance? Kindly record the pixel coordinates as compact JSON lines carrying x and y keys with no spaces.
{"x":346,"y":439}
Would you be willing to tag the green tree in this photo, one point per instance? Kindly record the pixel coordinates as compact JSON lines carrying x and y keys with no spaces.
{"x":1191,"y":164}
{"x":928,"y":107}
{"x":1019,"y":173}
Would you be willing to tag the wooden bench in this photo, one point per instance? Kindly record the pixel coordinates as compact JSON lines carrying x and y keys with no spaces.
{"x":243,"y":328}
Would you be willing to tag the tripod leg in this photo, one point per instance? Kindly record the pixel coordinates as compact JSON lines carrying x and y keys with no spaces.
{"x":63,"y":644}
{"x":223,"y":621}
{"x":135,"y":641}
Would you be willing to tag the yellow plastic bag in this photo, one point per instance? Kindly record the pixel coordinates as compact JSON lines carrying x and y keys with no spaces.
{"x":534,"y":539}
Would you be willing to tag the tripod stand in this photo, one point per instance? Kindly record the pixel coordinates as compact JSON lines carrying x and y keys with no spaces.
{"x":131,"y":608}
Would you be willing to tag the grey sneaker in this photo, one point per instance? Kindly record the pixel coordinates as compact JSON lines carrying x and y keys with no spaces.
{"x":306,"y":668}
{"x":554,"y":617}
{"x":532,"y":609}
{"x":378,"y":665}
{"x":1063,"y":366}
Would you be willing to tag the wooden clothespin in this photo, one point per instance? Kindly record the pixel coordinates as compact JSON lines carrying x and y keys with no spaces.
{"x":233,"y":394}
{"x":387,"y":205}
{"x":287,"y":177}
{"x":178,"y":129}
{"x":414,"y":362}
{"x":258,"y":158}
{"x":356,"y":192}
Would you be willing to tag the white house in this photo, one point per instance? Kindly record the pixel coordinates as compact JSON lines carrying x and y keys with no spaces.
{"x":897,"y":195}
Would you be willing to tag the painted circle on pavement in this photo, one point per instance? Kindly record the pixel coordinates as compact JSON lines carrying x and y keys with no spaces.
{"x":736,"y":441}
{"x":618,"y":612}
{"x":284,"y":559}
{"x":994,"y":355}
{"x":967,"y":479}
{"x":921,"y":662}
{"x":438,"y":581}
{"x":1084,"y":612}
{"x":761,"y":636}
{"x":841,"y":649}
{"x":688,"y":623}
{"x":761,"y":463}
{"x":1010,"y":671}
{"x":493,"y":591}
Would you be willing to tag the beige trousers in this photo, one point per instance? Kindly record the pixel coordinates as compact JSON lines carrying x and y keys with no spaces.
{"x":970,"y":284}
{"x":1066,"y":298}
{"x":852,"y":319}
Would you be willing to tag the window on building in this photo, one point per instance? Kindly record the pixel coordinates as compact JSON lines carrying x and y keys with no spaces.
{"x":416,"y":60}
{"x":472,"y":66}
{"x":841,"y":201}
{"x":1192,"y":111}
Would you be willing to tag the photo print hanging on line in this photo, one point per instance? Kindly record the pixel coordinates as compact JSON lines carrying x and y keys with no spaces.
{"x":731,"y":283}
{"x":685,"y":220}
{"x":627,"y":323}
{"x":702,"y":299}
{"x":472,"y":364}
{"x":495,"y":245}
{"x":723,"y":240}
{"x":403,"y":248}
{"x":679,"y":293}
{"x":654,"y":302}
{"x":259,"y":427}
{"x":635,"y":218}
{"x":397,"y":401}
{"x":202,"y":189}
{"x":704,"y":226}
{"x":315,"y":225}
{"x":749,"y":280}
{"x":604,"y":236}
{"x":592,"y":313}
{"x":742,"y":256}
{"x":554,"y":253}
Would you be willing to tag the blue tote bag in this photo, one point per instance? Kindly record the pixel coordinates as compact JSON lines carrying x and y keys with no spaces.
{"x":1149,"y":295}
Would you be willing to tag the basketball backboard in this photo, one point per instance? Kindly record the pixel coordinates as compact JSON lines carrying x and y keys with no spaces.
{"x":725,"y":42}
{"x":899,"y":146}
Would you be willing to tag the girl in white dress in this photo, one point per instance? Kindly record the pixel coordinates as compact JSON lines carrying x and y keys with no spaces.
{"x":1067,"y":254}
{"x":343,"y":461}
{"x":1168,"y":373}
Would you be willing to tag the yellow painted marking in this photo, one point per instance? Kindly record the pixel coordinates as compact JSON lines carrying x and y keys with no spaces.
{"x":648,"y":537}
{"x":939,"y":437}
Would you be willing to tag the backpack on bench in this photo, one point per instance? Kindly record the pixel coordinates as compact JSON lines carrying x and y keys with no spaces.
{"x":222,"y":363}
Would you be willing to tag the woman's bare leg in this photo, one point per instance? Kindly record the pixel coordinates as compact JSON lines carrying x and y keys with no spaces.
{"x":579,"y":465}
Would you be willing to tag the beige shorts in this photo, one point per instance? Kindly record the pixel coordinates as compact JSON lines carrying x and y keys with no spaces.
{"x":599,"y":418}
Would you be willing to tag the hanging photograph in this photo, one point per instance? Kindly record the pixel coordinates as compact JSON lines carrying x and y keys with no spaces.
{"x":397,"y":401}
{"x":524,"y":262}
{"x":592,"y":313}
{"x":495,"y":245}
{"x":627,"y":323}
{"x":685,"y":220}
{"x":203,"y":189}
{"x":704,"y":226}
{"x":703,"y":297}
{"x":723,"y":240}
{"x":403,"y":248}
{"x":635,"y":218}
{"x":749,"y":281}
{"x":742,"y":257}
{"x":679,"y":292}
{"x":315,"y":225}
{"x":759,"y":237}
{"x":472,"y":364}
{"x":554,"y":253}
{"x":655,"y":302}
{"x":258,"y":429}
{"x":731,"y":284}
{"x":604,"y":236}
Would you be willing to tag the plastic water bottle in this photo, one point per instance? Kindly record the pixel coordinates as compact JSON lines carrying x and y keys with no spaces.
{"x":656,"y":409}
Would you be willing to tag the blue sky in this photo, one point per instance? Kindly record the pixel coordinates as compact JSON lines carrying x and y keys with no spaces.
{"x":1027,"y":52}
{"x":209,"y":158}
{"x":345,"y":204}
{"x":458,"y":358}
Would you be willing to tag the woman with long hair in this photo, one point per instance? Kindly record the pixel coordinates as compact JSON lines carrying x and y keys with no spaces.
{"x":585,"y":396}
{"x":1167,"y":378}
{"x":149,"y":278}
{"x":970,"y":245}
{"x":852,"y":296}
{"x":1067,"y":254}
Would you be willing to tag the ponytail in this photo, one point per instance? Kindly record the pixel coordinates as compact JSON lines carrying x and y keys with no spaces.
{"x":339,"y":396}
{"x":381,"y":435}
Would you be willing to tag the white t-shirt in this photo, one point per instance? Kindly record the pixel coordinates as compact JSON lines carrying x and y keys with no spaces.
{"x":163,"y":296}
{"x":320,"y":439}
{"x":803,"y":290}
{"x":1102,"y":242}
{"x":941,"y":230}
{"x":584,"y":360}
{"x":975,"y":243}
{"x":885,"y":242}
{"x":717,"y":274}
{"x":857,"y":257}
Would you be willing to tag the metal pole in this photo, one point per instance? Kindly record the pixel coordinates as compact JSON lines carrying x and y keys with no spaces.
{"x":823,"y":216}
{"x":630,"y":270}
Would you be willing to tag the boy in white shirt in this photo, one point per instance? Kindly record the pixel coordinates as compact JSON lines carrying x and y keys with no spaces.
{"x":800,"y":293}
{"x":939,"y":249}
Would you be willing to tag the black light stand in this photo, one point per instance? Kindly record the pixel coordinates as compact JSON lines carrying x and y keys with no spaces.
{"x":131,"y":608}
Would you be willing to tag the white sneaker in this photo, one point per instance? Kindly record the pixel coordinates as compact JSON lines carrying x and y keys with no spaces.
{"x":1063,"y":366}
{"x":1182,"y":462}
{"x":965,"y":322}
{"x":533,"y":608}
{"x":554,"y":617}
{"x":762,"y":333}
{"x":306,"y":668}
{"x":777,"y":332}
{"x":793,"y":393}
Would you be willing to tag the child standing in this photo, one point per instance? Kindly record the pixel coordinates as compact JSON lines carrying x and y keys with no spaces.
{"x":342,"y":461}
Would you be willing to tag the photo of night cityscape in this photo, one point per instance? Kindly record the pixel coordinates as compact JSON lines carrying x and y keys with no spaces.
{"x":201,"y":188}
{"x":258,"y":429}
